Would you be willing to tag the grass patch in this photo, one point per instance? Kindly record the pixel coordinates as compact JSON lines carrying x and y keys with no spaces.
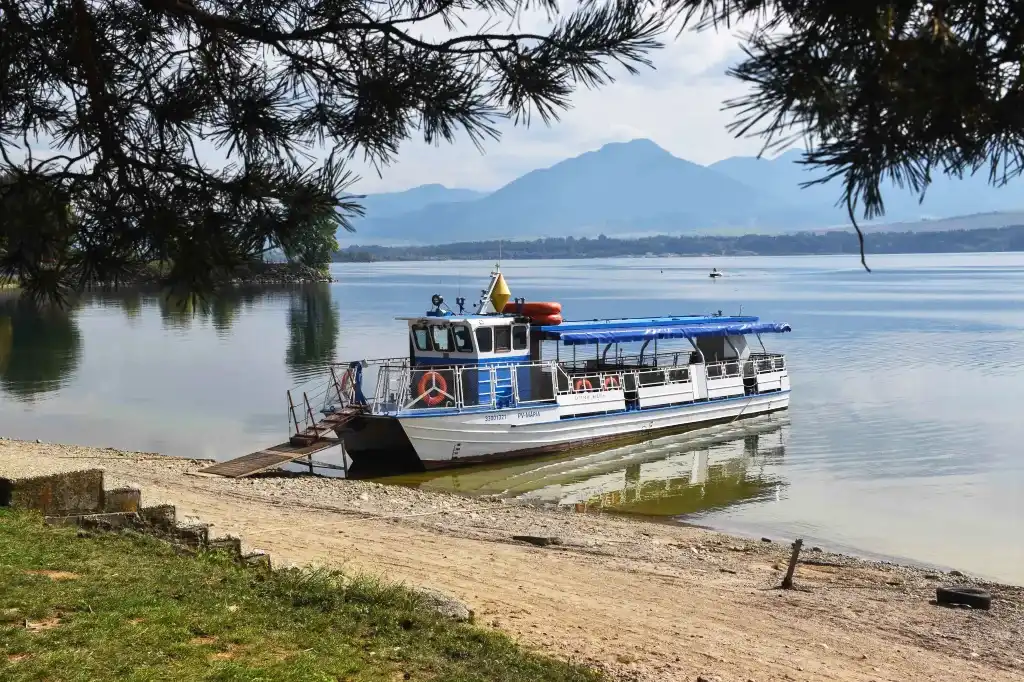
{"x":127,"y":607}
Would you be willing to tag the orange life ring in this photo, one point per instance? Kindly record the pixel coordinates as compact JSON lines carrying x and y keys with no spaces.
{"x":611,"y":381}
{"x":546,"y":319}
{"x":534,"y":309}
{"x":434,"y":393}
{"x":584,"y":385}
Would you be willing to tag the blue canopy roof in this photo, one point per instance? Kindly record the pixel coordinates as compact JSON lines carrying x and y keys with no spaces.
{"x":611,"y":332}
{"x":643,"y":322}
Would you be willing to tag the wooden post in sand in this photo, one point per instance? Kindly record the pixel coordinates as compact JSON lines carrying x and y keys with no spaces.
{"x":787,"y":582}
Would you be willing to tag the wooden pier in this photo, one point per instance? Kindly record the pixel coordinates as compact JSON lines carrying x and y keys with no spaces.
{"x":310,"y":437}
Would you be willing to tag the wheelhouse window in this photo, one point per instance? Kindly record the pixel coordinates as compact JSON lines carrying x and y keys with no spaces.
{"x":442,"y":338}
{"x":484,"y":339}
{"x":519,"y":337}
{"x":463,"y":339}
{"x":502,"y":339}
{"x":421,"y":338}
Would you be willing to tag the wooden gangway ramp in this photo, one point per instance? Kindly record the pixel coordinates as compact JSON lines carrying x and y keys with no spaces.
{"x":302,"y":445}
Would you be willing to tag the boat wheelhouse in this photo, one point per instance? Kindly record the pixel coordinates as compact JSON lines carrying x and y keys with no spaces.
{"x":512,"y":379}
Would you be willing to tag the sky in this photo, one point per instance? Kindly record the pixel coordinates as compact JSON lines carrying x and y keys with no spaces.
{"x":678,"y":105}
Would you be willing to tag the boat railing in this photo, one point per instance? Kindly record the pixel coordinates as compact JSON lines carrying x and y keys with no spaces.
{"x":391,"y":385}
{"x":767,"y":362}
{"x":630,"y":362}
{"x":496,"y":386}
{"x":668,"y":375}
{"x":379,"y":385}
{"x":723,"y":369}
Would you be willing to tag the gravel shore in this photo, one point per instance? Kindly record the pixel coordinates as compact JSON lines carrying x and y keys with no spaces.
{"x":643,"y":601}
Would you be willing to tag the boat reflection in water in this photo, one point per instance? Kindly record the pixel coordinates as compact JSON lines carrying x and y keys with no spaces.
{"x":711,"y":468}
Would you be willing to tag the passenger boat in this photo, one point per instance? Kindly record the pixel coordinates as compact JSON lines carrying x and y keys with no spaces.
{"x":512,"y":379}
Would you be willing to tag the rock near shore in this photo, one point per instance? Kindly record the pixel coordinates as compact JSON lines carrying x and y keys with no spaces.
{"x":446,"y":606}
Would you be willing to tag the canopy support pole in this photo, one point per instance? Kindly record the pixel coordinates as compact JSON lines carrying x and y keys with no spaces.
{"x":700,"y":353}
{"x":734,"y":349}
{"x":643,"y":349}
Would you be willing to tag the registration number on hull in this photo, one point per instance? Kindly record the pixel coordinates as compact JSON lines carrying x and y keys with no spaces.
{"x":515,"y":417}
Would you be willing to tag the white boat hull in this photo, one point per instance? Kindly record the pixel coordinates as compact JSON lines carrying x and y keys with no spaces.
{"x":450,"y":439}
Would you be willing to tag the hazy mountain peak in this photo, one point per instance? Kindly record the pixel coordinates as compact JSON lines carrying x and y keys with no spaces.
{"x":637,"y":187}
{"x":389,"y":204}
{"x":433,"y":188}
{"x":637,"y":144}
{"x":793,"y":155}
{"x":638,"y":148}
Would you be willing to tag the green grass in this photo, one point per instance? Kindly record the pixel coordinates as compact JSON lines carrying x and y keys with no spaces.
{"x":135,"y":610}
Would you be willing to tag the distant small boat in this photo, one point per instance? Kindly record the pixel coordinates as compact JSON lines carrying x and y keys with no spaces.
{"x":714,"y":273}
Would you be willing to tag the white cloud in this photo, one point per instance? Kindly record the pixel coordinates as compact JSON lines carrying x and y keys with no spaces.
{"x":678,"y":105}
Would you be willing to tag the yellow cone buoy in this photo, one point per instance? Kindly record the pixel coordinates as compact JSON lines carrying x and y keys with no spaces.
{"x":500,"y":293}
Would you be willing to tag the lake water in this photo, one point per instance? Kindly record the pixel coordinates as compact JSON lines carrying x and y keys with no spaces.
{"x":903,"y":438}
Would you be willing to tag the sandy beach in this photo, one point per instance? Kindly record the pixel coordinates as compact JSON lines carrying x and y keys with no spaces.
{"x":643,"y":601}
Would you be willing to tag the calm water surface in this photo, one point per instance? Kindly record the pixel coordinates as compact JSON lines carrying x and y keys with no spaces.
{"x":903,"y":438}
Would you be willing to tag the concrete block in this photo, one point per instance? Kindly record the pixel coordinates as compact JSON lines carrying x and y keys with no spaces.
{"x":193,"y":537}
{"x":122,"y":500}
{"x":257,"y":559}
{"x":233,"y":546}
{"x":100,"y":522}
{"x":163,"y":516}
{"x":66,"y":494}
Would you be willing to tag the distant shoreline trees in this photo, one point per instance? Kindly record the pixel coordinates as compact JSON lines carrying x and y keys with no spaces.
{"x":799,"y":244}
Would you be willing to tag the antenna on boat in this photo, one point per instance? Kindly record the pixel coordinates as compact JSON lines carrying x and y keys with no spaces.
{"x":460,"y":300}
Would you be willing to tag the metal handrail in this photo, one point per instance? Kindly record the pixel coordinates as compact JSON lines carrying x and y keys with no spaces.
{"x":728,"y":369}
{"x":627,"y":362}
{"x":767,"y":362}
{"x":394,"y":390}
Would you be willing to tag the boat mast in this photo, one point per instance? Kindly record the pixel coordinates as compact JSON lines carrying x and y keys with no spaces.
{"x":484,"y":305}
{"x":495,"y":296}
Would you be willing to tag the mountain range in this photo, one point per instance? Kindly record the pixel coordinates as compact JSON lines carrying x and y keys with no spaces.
{"x":637,"y":188}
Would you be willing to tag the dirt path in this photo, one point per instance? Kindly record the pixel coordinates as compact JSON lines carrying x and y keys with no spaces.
{"x":643,"y":601}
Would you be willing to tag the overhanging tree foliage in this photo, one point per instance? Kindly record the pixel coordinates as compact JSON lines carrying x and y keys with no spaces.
{"x":133,"y":95}
{"x":897,"y":90}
